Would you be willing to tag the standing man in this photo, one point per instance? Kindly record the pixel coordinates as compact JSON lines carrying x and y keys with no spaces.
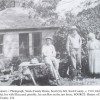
{"x":73,"y":46}
{"x":49,"y":56}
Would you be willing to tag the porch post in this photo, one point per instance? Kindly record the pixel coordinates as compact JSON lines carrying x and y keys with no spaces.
{"x":30,"y":44}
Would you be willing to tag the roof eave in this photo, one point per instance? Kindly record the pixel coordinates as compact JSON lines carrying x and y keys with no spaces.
{"x":27,"y":29}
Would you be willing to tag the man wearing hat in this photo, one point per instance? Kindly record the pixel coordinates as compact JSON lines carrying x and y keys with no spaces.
{"x":49,"y":56}
{"x":73,"y":47}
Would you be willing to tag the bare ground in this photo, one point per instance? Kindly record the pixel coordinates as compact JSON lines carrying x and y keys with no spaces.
{"x":64,"y":82}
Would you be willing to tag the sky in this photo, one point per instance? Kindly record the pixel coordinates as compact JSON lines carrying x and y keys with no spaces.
{"x":75,"y":6}
{"x":67,"y":5}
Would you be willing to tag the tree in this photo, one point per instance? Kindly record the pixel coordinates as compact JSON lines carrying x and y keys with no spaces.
{"x":89,"y":20}
{"x":70,"y":19}
{"x":6,"y":4}
{"x":2,"y":4}
{"x":46,"y":11}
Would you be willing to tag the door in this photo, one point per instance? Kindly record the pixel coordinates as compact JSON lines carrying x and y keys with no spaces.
{"x":36,"y":43}
{"x":24,"y":44}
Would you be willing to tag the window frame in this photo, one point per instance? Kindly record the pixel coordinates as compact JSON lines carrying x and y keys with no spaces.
{"x":2,"y":44}
{"x":36,"y":47}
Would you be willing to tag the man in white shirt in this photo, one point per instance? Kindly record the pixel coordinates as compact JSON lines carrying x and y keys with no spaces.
{"x":73,"y":47}
{"x":49,"y":56}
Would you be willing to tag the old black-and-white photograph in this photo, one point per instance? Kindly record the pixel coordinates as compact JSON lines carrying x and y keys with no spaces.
{"x":49,"y":42}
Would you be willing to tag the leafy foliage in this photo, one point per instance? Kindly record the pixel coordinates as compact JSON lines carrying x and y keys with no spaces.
{"x":46,"y":11}
{"x":6,"y":4}
{"x":89,"y":20}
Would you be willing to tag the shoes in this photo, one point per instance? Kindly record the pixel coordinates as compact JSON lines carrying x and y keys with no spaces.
{"x":58,"y":82}
{"x":55,"y":82}
{"x":79,"y":77}
{"x":52,"y":83}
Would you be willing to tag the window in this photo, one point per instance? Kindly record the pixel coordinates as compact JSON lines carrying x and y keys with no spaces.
{"x":36,"y":37}
{"x":24,"y":44}
{"x":1,"y":44}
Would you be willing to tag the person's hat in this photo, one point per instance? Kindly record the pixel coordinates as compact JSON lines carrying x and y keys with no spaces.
{"x":74,"y":27}
{"x":91,"y":35}
{"x":49,"y":37}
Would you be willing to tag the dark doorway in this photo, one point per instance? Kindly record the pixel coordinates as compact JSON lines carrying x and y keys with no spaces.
{"x":36,"y":43}
{"x":24,"y":45}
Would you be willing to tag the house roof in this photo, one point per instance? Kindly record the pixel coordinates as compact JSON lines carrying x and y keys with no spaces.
{"x":18,"y":18}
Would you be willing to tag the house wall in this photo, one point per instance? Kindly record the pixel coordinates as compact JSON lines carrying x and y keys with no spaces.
{"x":11,"y":41}
{"x":11,"y":45}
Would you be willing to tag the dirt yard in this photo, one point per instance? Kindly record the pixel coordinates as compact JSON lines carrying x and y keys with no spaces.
{"x":64,"y":81}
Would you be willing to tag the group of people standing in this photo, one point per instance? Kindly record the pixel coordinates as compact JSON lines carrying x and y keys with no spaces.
{"x":73,"y":48}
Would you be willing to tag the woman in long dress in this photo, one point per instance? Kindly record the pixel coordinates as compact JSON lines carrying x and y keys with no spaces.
{"x":94,"y":54}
